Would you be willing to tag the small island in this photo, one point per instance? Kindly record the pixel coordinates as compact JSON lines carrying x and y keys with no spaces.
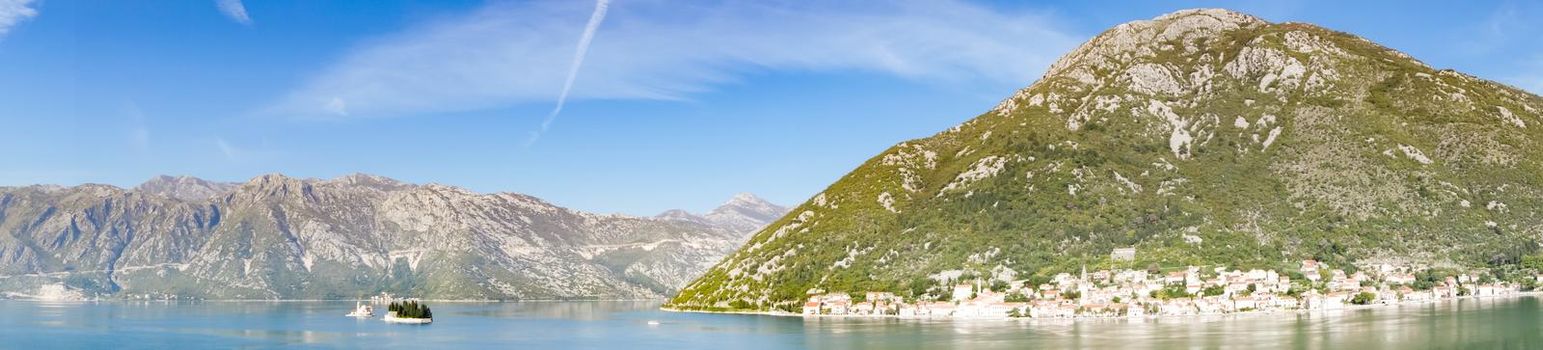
{"x":412,"y":312}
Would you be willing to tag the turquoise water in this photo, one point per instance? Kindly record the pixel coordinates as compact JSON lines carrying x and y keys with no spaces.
{"x":1491,"y":323}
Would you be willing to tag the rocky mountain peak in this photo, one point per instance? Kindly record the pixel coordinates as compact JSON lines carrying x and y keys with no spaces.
{"x":98,"y":190}
{"x":746,"y":212}
{"x":185,"y":188}
{"x":745,"y":199}
{"x":676,"y":214}
{"x":274,"y":185}
{"x":743,"y":213}
{"x":271,"y":179}
{"x":1213,"y":18}
{"x":376,"y":182}
{"x":447,"y":189}
{"x":749,"y":204}
{"x":1145,"y":38}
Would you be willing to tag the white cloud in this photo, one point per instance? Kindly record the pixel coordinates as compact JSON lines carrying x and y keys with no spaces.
{"x":510,"y":53}
{"x":139,"y":133}
{"x":235,"y":10}
{"x":140,"y":138}
{"x":226,"y":149}
{"x":257,"y":151}
{"x":13,"y":12}
{"x":595,"y":18}
{"x":336,"y":107}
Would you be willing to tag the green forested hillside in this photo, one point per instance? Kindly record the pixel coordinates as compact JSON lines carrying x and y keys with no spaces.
{"x":1202,"y":137}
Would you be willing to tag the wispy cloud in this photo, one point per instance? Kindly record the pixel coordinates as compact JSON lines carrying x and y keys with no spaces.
{"x":573,"y":71}
{"x":230,"y":153}
{"x":13,"y":12}
{"x":1494,"y":32}
{"x":511,"y":53}
{"x":238,"y":151}
{"x":139,"y":133}
{"x":235,"y":10}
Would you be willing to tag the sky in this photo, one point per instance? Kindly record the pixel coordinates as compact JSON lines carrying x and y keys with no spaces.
{"x":619,"y":106}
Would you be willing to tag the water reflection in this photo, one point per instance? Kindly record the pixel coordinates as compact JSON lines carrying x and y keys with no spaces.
{"x":1489,"y":323}
{"x":1483,"y":323}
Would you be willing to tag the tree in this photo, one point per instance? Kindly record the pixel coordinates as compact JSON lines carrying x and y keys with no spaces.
{"x":1534,"y":262}
{"x":919,"y":286}
{"x":410,"y":309}
{"x":999,"y":286}
{"x":1363,"y":298}
{"x":1170,"y":292}
{"x":1425,"y":280}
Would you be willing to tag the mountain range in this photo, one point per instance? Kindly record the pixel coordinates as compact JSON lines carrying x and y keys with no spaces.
{"x":279,"y":237}
{"x":1201,"y":137}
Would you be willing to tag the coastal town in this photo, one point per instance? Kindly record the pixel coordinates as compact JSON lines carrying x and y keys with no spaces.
{"x":1189,"y":291}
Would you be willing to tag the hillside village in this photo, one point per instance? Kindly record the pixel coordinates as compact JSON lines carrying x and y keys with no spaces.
{"x":1189,"y":291}
{"x":1212,"y":138}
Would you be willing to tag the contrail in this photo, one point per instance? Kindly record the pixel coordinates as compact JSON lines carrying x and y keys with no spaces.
{"x":573,"y":70}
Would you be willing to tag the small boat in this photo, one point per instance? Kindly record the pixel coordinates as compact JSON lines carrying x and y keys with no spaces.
{"x":362,"y":310}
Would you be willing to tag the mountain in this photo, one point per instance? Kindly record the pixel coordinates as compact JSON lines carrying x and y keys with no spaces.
{"x":277,"y":237}
{"x":1204,"y":137}
{"x":743,"y":213}
{"x":184,"y":187}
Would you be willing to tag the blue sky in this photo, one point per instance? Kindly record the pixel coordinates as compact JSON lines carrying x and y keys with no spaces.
{"x":675,"y":105}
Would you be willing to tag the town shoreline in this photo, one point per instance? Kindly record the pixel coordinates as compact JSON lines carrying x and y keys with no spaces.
{"x":1152,"y":317}
{"x":22,"y":297}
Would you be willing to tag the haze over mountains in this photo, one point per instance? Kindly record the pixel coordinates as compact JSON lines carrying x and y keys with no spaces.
{"x":278,"y":237}
{"x":1204,"y":137}
{"x":743,"y":213}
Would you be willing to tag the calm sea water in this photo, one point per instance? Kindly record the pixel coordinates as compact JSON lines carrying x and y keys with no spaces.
{"x":1492,"y":323}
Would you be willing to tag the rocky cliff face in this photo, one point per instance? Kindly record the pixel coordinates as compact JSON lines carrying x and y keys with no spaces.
{"x":277,"y":237}
{"x":1198,"y":137}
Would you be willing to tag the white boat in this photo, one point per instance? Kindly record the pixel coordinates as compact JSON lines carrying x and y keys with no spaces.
{"x":362,"y":310}
{"x":391,"y":317}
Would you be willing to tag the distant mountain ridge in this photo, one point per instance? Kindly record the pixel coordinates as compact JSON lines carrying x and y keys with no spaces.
{"x":278,"y":237}
{"x":185,"y":187}
{"x":742,"y":213}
